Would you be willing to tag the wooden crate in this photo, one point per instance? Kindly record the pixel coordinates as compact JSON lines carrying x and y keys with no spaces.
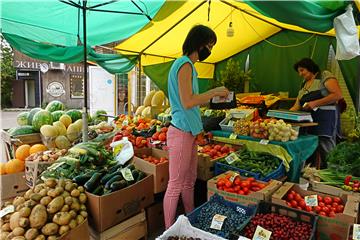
{"x":134,"y":228}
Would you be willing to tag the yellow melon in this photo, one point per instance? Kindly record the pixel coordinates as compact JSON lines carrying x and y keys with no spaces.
{"x":146,"y":113}
{"x":60,"y":128}
{"x":62,"y":142}
{"x":158,"y":99}
{"x":37,"y":148}
{"x":2,"y":168}
{"x":79,"y":124}
{"x":49,"y":131}
{"x":14,"y":166}
{"x":139,"y":110}
{"x":22,"y":152}
{"x":66,"y":120}
{"x":148,"y":98}
{"x":72,"y":133}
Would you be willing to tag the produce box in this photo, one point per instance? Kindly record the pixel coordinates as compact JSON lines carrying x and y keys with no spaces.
{"x":33,"y":169}
{"x":80,"y":232}
{"x":134,"y":228}
{"x":108,"y":210}
{"x":206,"y":164}
{"x":155,"y":218}
{"x":160,"y":171}
{"x":182,"y":227}
{"x":237,"y":216}
{"x":251,"y":199}
{"x":297,"y":216}
{"x":332,"y":190}
{"x":328,"y":227}
{"x":12,"y":185}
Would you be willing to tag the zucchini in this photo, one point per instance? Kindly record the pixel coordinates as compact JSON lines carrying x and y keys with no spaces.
{"x":113,"y":179}
{"x":117,"y":185}
{"x":99,"y":190}
{"x":83,"y":178}
{"x":114,"y":168}
{"x":135,"y":174}
{"x":140,"y":176}
{"x":108,"y":176}
{"x":91,"y":184}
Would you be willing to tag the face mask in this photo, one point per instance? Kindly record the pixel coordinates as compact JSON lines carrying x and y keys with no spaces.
{"x":204,"y":53}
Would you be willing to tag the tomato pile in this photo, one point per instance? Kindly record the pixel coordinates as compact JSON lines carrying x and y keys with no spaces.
{"x":138,"y":142}
{"x":160,"y":136}
{"x":238,"y":185}
{"x":327,"y":206}
{"x":216,"y":150}
{"x":282,"y":227}
{"x":154,"y":160}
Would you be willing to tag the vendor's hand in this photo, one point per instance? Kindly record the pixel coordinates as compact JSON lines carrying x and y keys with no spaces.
{"x":309,"y":106}
{"x":220,"y":91}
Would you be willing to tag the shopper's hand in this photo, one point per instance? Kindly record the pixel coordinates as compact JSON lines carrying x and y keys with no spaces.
{"x":221,"y":91}
{"x":309,"y":106}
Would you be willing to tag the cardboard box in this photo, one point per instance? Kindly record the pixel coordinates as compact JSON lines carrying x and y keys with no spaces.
{"x":206,"y":165}
{"x":80,"y":232}
{"x":33,"y":169}
{"x":155,"y":218}
{"x":323,"y":188}
{"x":252,"y":198}
{"x":132,"y":229}
{"x":328,"y":228}
{"x":160,"y":171}
{"x":12,"y":185}
{"x":108,"y":210}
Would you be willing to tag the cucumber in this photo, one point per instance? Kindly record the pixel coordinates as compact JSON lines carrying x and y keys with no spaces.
{"x":82,"y":179}
{"x":108,"y":176}
{"x":114,"y":168}
{"x":140,"y":176}
{"x":117,"y":185}
{"x":135,"y":174}
{"x":91,"y":184}
{"x":99,"y":190}
{"x":113,"y":179}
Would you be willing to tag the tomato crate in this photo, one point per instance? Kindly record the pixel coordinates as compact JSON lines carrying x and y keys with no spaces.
{"x":247,"y":211}
{"x":277,"y":174}
{"x":299,"y":216}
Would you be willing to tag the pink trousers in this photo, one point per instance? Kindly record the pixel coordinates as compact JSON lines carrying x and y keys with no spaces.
{"x":182,"y":173}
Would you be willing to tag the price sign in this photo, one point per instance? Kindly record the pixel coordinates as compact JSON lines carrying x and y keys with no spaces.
{"x":264,"y":141}
{"x":7,"y":210}
{"x":311,"y":201}
{"x":217,"y":221}
{"x":126,"y":173}
{"x":207,"y":112}
{"x":261,"y":234}
{"x":231,"y":158}
{"x":356,"y":232}
{"x":232,"y":178}
{"x":233,"y":136}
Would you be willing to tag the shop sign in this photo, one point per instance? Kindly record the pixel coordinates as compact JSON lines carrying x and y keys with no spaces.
{"x":55,"y":89}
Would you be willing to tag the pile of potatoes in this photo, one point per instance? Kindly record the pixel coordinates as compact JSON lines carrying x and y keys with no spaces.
{"x":48,"y":211}
{"x":47,"y":156}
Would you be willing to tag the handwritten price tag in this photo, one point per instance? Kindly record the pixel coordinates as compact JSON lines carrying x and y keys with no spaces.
{"x":217,"y":221}
{"x":311,"y":201}
{"x":126,"y":173}
{"x":231,"y":158}
{"x":261,"y":234}
{"x":7,"y":210}
{"x":232,"y":178}
{"x":233,"y":136}
{"x":356,"y":232}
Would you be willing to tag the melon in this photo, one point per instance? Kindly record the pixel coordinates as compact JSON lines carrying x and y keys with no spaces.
{"x":158,"y":99}
{"x":60,"y":127}
{"x":72,"y":132}
{"x":139,"y":110}
{"x":22,"y":118}
{"x":55,"y":106}
{"x":31,"y":114}
{"x":41,"y":118}
{"x":74,"y":114}
{"x":79,"y":124}
{"x":66,"y":120}
{"x":148,"y":98}
{"x":62,"y":142}
{"x":57,"y":114}
{"x":146,"y":113}
{"x":49,"y":131}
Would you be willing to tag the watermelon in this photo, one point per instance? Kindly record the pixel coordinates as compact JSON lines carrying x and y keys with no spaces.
{"x":74,"y":114}
{"x":57,"y":114}
{"x":21,"y":130}
{"x":31,"y":115}
{"x":55,"y":106}
{"x":42,"y":117}
{"x":99,"y":118}
{"x":22,"y":118}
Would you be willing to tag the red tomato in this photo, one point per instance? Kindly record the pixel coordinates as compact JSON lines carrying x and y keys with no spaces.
{"x":221,"y":188}
{"x":294,"y":203}
{"x":224,"y":149}
{"x":334,"y":204}
{"x":292,"y":192}
{"x":340,"y":208}
{"x":331,"y":214}
{"x":327,"y":200}
{"x":217,"y":147}
{"x":250,"y":179}
{"x":245,"y":184}
{"x":320,"y":199}
{"x":241,"y":192}
{"x":326,"y":209}
{"x":246,"y":190}
{"x":237,"y":188}
{"x":289,"y":204}
{"x":261,"y":185}
{"x":302,"y":204}
{"x":308,"y":208}
{"x":321,"y":204}
{"x":333,"y":209}
{"x":317,"y":209}
{"x":298,"y":207}
{"x":322,"y":213}
{"x":290,"y":197}
{"x":337,"y":200}
{"x":298,"y":197}
{"x":228,"y":184}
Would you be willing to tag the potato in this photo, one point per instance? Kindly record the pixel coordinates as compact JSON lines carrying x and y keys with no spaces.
{"x":19,"y":207}
{"x":64,"y":229}
{"x":69,"y":186}
{"x":51,"y":182}
{"x":65,"y":194}
{"x":14,"y":220}
{"x":79,"y":219}
{"x":60,"y":190}
{"x":75,"y":193}
{"x":50,"y":229}
{"x":18,"y":231}
{"x":39,"y":187}
{"x":55,"y":205}
{"x":38,"y":216}
{"x":75,"y":206}
{"x":84,"y":214}
{"x":45,"y":200}
{"x":6,"y":227}
{"x":18,"y":200}
{"x":28,"y":193}
{"x":24,"y":222}
{"x":68,"y":200}
{"x":43,"y":192}
{"x":36,"y":196}
{"x":18,"y":238}
{"x":40,"y":237}
{"x":30,"y":203}
{"x":25,"y":212}
{"x":73,"y":214}
{"x":62,"y":218}
{"x":4,"y":235}
{"x":65,"y":208}
{"x":73,"y":224}
{"x":83,"y":207}
{"x":53,"y":193}
{"x":82,"y":198}
{"x":81,"y":189}
{"x":31,"y":234}
{"x":62,"y":182}
{"x":53,"y":237}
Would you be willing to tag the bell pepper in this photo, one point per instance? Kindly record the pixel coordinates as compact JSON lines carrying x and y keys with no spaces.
{"x":347,"y":180}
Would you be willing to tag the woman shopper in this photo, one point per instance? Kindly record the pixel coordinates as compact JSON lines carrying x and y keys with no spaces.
{"x":320,"y":94}
{"x":186,"y":122}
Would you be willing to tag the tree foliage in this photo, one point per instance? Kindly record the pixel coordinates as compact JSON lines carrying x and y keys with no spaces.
{"x":8,"y":73}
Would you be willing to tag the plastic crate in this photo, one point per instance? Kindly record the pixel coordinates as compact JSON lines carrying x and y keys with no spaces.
{"x":268,"y":207}
{"x":224,"y":126}
{"x":249,"y":211}
{"x":278,"y":173}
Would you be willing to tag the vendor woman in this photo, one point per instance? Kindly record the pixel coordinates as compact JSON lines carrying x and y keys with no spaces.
{"x":320,"y":96}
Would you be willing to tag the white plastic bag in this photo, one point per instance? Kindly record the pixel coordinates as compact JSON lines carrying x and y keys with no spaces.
{"x":347,"y":40}
{"x":123,"y":150}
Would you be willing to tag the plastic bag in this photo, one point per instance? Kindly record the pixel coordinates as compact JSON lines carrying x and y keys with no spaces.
{"x":123,"y":150}
{"x":347,"y":42}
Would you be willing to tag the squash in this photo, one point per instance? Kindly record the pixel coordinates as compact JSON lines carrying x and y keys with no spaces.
{"x":49,"y":131}
{"x":14,"y":166}
{"x":37,"y":148}
{"x":60,"y":128}
{"x":72,"y":132}
{"x":146,"y":113}
{"x":148,"y":98}
{"x":22,"y":152}
{"x":79,"y":124}
{"x":158,"y":99}
{"x":139,"y":110}
{"x":66,"y":120}
{"x":62,"y":142}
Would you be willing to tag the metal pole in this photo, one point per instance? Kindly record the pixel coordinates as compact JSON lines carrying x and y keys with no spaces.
{"x":84,"y":116}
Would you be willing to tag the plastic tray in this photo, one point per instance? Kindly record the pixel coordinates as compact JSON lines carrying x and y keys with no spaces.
{"x":278,"y":173}
{"x":267,"y":207}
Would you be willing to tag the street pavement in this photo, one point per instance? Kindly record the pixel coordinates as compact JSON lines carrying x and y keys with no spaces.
{"x":8,"y":118}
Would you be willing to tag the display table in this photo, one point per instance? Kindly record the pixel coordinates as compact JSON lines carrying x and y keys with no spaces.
{"x":299,"y":150}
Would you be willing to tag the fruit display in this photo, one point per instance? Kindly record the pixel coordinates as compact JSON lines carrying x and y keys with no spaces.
{"x":182,"y":238}
{"x":216,"y":150}
{"x":234,"y":184}
{"x":327,"y":206}
{"x":55,"y":105}
{"x":259,"y":128}
{"x":21,"y":130}
{"x":242,"y":127}
{"x":205,"y":112}
{"x":48,"y":211}
{"x":154,"y":160}
{"x":280,"y":131}
{"x":22,"y":118}
{"x":12,"y":166}
{"x":137,"y":142}
{"x":282,"y":227}
{"x":152,"y":99}
{"x":47,"y":156}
